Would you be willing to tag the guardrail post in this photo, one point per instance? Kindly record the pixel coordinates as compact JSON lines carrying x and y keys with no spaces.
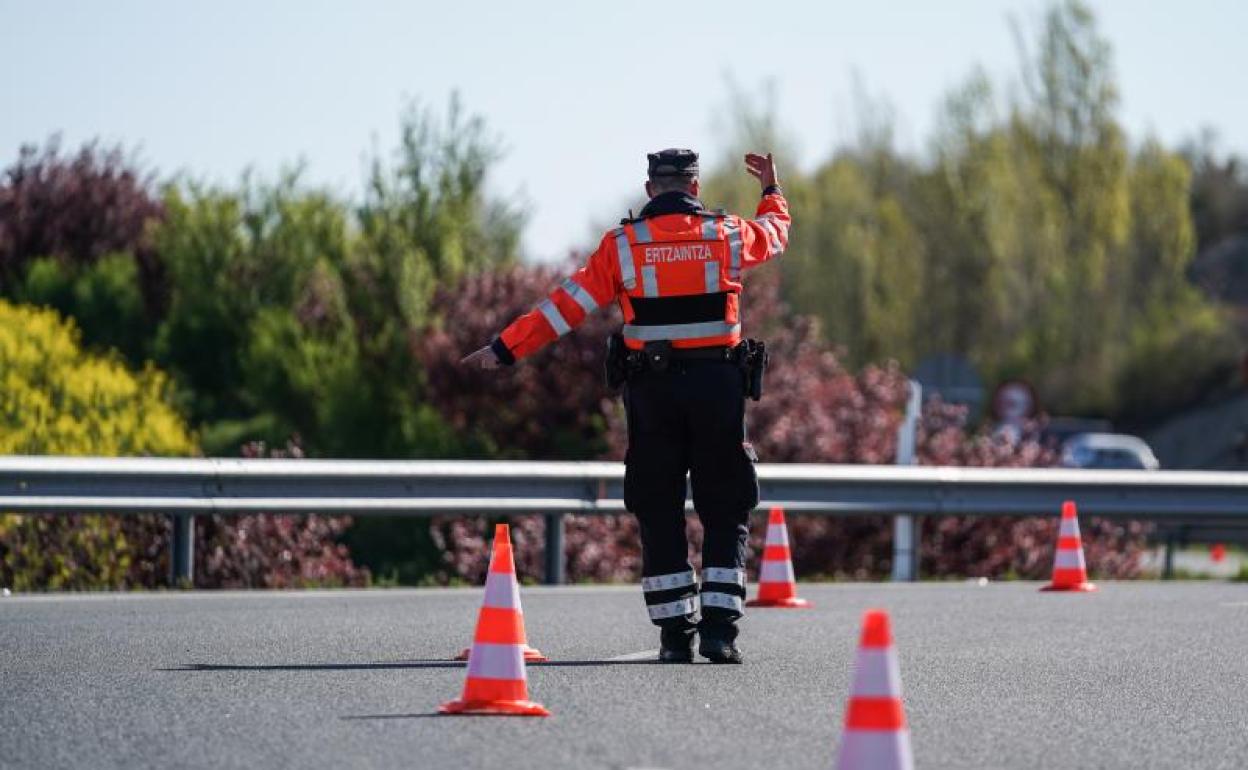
{"x":555,"y":573}
{"x":906,"y":528}
{"x":906,"y":547}
{"x":1167,"y":567}
{"x":182,"y":551}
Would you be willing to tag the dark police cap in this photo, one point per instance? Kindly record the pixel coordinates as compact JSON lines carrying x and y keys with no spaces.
{"x":673,"y":162}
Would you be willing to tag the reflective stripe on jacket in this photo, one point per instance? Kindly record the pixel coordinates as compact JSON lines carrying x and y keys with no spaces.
{"x":676,"y":276}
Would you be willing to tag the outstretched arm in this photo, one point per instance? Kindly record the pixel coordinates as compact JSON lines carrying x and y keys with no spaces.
{"x":567,"y":307}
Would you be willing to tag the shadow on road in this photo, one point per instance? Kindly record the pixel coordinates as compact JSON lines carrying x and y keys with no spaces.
{"x":382,"y":666}
{"x":387,"y":665}
{"x":363,"y":717}
{"x":549,"y":663}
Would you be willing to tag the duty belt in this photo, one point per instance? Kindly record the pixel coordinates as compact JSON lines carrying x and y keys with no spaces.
{"x":709,"y":353}
{"x":655,"y":356}
{"x":622,"y":363}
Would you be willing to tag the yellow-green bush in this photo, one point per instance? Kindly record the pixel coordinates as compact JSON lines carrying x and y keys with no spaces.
{"x":57,"y":399}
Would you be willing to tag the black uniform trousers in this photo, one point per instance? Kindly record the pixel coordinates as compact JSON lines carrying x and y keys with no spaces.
{"x":690,"y":418}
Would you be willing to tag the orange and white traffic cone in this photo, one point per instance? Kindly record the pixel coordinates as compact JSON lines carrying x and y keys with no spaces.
{"x":777,"y":586}
{"x":496,"y":682}
{"x":531,"y":654}
{"x":875,"y":735}
{"x":1070,"y":573}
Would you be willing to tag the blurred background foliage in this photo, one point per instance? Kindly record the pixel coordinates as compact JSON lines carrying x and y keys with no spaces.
{"x":1033,"y":236}
{"x":57,"y":399}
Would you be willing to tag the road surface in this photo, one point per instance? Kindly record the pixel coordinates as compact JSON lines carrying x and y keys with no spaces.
{"x":1139,"y":675}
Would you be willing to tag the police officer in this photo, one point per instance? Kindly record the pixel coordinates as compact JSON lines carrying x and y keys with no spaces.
{"x":675,"y":271}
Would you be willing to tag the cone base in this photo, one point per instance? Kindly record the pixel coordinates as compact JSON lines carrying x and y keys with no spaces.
{"x":1077,"y":588}
{"x":531,"y":655}
{"x":791,"y":602}
{"x":507,"y":708}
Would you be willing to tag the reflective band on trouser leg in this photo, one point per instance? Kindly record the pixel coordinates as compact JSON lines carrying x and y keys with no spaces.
{"x":555,"y":317}
{"x":1069,"y":560}
{"x":641,"y":231}
{"x":673,"y":609}
{"x":649,"y":281}
{"x":723,"y":601}
{"x":724,"y":575}
{"x":711,"y":277}
{"x":734,"y":251}
{"x":680,"y":331}
{"x":773,"y":571}
{"x":628,"y":273}
{"x":579,"y":295}
{"x":667,"y":582}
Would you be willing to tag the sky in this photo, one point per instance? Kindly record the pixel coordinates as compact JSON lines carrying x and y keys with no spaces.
{"x":575,"y":92}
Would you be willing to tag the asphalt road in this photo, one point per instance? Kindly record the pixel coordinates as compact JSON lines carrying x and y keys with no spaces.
{"x":1140,"y":675}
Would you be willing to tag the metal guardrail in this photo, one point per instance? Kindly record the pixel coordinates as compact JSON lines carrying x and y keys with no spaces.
{"x":184,"y":488}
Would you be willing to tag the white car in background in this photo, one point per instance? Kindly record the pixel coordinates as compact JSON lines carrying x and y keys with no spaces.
{"x":1108,"y":450}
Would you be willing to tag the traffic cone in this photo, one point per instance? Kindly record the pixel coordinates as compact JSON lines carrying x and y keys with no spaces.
{"x":875,"y":735}
{"x":531,"y":654}
{"x":777,"y":587}
{"x":1070,"y":573}
{"x":496,"y":682}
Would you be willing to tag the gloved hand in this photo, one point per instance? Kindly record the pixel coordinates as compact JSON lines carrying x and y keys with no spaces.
{"x":482,"y":359}
{"x":762,"y":168}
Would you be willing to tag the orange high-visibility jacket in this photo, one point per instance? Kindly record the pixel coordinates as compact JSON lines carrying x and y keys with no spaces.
{"x":677,"y":277}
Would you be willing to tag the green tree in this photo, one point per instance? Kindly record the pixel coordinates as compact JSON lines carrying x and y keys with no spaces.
{"x":242,"y":266}
{"x":1032,"y":239}
{"x":292,"y":313}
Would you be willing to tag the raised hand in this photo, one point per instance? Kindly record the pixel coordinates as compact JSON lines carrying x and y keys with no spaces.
{"x":762,"y":168}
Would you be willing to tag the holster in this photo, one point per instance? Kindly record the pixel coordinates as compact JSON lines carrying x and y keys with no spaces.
{"x":616,"y":363}
{"x":752,"y":357}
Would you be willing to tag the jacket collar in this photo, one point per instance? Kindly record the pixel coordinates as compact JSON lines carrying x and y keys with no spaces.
{"x":674,"y":202}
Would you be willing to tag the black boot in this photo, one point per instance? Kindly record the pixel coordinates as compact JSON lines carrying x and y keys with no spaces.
{"x":719,"y":651}
{"x":718,"y":640}
{"x":676,"y":645}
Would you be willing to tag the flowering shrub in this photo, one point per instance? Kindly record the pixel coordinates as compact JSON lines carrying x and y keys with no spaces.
{"x":56,"y":399}
{"x":273,"y":551}
{"x":548,"y":407}
{"x":75,"y":234}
